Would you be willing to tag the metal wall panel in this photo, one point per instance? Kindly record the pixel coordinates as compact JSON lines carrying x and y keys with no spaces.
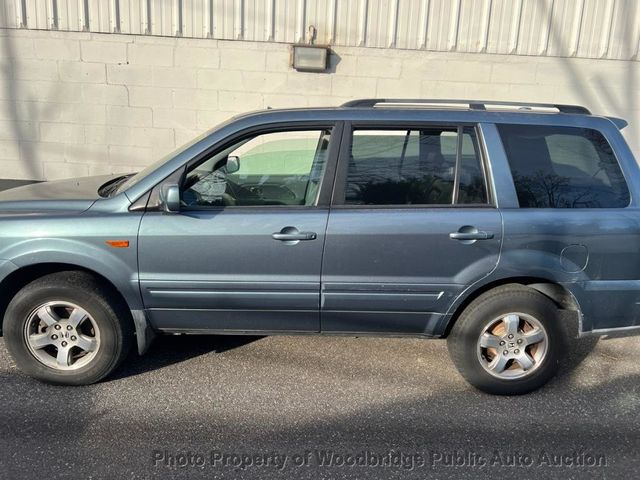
{"x":10,"y":16}
{"x":574,"y":28}
{"x":70,"y":15}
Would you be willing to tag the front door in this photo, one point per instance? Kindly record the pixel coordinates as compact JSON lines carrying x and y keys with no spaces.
{"x":245,"y":251}
{"x":410,"y":227}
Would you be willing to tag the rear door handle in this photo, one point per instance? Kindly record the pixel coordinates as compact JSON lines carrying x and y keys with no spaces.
{"x":471,"y":236}
{"x":291,"y":234}
{"x":470,"y":233}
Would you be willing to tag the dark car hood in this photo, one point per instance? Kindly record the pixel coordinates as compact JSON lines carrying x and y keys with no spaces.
{"x":76,"y":194}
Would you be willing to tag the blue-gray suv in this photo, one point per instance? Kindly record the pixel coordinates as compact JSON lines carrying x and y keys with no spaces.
{"x":497,"y":225}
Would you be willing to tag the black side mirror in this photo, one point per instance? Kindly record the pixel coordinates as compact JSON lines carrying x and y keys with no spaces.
{"x":170,"y":198}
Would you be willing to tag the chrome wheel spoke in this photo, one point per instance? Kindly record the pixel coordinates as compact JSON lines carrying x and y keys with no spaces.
{"x":525,"y":361}
{"x":489,"y":341}
{"x":533,"y":337}
{"x":62,"y":358}
{"x":47,"y":316}
{"x":77,"y":317}
{"x":511,"y":323}
{"x":498,"y":364}
{"x":40,"y":340}
{"x":87,"y":344}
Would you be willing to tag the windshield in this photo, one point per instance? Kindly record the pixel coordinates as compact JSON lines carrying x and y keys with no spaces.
{"x":133,"y":180}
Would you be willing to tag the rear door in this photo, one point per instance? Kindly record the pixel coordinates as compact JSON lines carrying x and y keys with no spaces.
{"x":411,"y":225}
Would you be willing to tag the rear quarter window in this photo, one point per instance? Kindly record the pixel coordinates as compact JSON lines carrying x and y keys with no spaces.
{"x":563,"y":167}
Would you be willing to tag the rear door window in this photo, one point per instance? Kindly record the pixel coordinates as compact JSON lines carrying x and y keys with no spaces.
{"x":421,"y":166}
{"x":563,"y":167}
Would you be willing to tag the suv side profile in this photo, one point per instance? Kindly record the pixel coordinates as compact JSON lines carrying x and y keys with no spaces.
{"x":493,"y":224}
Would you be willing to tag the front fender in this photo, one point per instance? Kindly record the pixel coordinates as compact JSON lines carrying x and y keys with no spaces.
{"x":6,"y":268}
{"x":118,"y":266}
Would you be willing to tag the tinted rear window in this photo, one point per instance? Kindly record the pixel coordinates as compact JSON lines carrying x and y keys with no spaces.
{"x":414,"y":167}
{"x":563,"y":167}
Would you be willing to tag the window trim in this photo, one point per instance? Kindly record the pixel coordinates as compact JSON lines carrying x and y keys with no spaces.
{"x":340,"y":183}
{"x":485,"y":165}
{"x":456,"y":173}
{"x":324,"y":192}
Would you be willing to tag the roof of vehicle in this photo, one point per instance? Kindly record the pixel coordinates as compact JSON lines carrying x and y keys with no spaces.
{"x":470,"y":104}
{"x":441,"y":110}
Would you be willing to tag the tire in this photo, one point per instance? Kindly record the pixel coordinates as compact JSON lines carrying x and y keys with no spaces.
{"x":92,"y":329}
{"x":489,"y":359}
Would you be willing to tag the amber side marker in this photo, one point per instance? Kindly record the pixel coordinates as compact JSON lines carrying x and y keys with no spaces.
{"x":118,"y":243}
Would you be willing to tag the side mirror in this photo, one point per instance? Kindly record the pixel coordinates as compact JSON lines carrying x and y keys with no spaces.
{"x":233,"y":164}
{"x":170,"y":198}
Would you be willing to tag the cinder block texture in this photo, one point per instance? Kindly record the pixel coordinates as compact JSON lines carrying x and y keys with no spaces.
{"x":80,"y":104}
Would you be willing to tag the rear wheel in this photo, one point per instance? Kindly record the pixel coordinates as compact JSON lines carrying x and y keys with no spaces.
{"x":67,"y":328}
{"x":508,"y":341}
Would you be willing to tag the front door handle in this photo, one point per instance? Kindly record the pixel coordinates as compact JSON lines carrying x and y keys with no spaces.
{"x":470,"y":234}
{"x":291,"y":234}
{"x":294,"y":236}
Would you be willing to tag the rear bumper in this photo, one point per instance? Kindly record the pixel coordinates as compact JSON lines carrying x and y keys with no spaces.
{"x":608,"y":306}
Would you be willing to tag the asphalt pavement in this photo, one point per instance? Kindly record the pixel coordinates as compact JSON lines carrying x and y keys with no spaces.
{"x":323,"y":408}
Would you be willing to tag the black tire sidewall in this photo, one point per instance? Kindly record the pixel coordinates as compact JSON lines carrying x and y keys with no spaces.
{"x":464,"y":340}
{"x":33,"y":296}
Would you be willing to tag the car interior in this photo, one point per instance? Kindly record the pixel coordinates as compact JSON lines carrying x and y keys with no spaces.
{"x":269,"y":172}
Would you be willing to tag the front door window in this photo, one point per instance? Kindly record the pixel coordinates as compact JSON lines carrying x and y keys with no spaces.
{"x":278,"y":168}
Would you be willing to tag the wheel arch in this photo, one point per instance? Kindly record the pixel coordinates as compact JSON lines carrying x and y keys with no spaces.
{"x":20,"y":277}
{"x":559,"y":294}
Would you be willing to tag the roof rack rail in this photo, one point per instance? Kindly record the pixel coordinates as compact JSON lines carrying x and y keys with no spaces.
{"x":473,"y":104}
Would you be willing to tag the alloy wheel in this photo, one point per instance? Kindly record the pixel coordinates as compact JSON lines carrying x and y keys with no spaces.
{"x":512,"y":346}
{"x":62,"y":335}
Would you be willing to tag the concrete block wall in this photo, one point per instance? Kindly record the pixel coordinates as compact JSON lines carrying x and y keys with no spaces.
{"x":74,"y":104}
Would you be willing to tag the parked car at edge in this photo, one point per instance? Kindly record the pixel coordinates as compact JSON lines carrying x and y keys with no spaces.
{"x":493,"y":225}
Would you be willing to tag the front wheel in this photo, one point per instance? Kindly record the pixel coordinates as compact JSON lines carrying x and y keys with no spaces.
{"x":67,"y":328}
{"x":508,"y":341}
